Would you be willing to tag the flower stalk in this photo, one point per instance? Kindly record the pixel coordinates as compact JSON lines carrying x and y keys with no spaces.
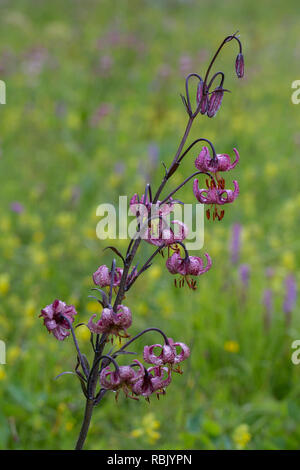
{"x":135,"y":380}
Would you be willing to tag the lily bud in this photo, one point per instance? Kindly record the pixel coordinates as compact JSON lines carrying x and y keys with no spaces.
{"x":215,"y":102}
{"x":202,"y":99}
{"x":239,"y":65}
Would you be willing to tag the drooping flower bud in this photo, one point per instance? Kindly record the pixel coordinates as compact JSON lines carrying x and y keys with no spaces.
{"x":215,"y":102}
{"x":239,"y":65}
{"x":202,"y":99}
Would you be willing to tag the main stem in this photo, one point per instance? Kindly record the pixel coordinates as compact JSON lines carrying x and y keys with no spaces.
{"x":91,"y":387}
{"x":85,"y":424}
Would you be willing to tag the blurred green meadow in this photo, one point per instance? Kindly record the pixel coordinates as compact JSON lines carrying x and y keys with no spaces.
{"x":92,"y":110}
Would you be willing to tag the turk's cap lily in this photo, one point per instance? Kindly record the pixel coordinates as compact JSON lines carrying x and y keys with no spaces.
{"x":111,"y":322}
{"x":114,"y":379}
{"x":102,"y":277}
{"x":157,"y":235}
{"x":204,"y":162}
{"x":168,"y":353}
{"x":57,"y":317}
{"x":214,"y":194}
{"x":154,"y":380}
{"x":193,"y":265}
{"x":143,"y":206}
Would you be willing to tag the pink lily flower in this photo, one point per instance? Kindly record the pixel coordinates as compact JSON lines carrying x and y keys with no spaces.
{"x":215,"y":195}
{"x":143,"y":206}
{"x":54,"y":320}
{"x":204,"y":162}
{"x":102,"y":277}
{"x":154,"y":380}
{"x":156,"y":235}
{"x":192,"y":266}
{"x":111,"y":322}
{"x":168,"y":353}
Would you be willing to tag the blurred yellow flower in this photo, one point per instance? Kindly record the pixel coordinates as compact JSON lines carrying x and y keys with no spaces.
{"x":73,"y":120}
{"x":142,"y":308}
{"x":5,"y":224}
{"x":4,"y":283}
{"x":114,"y":180}
{"x":241,"y":436}
{"x":137,"y":432}
{"x":61,"y":407}
{"x":38,"y":237}
{"x":154,"y":272}
{"x":90,"y":232}
{"x":271,"y":169}
{"x":148,"y":429}
{"x":30,"y":308}
{"x":65,"y":219}
{"x":38,"y":256}
{"x":83,"y":333}
{"x":2,"y":373}
{"x":69,"y":425}
{"x":288,"y":260}
{"x":93,"y":306}
{"x":31,"y":311}
{"x":73,"y":300}
{"x":13,"y":353}
{"x":231,"y":346}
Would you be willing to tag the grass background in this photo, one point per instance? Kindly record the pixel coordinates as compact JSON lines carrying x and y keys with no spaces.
{"x":93,"y":108}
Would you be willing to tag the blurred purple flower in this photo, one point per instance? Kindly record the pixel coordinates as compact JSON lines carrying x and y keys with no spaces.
{"x":105,"y":65}
{"x":115,"y":38}
{"x":17,"y":207}
{"x":101,"y":112}
{"x":153,"y":152}
{"x":244,"y":271}
{"x":235,"y":243}
{"x":120,"y":168}
{"x":35,"y":60}
{"x":185,"y":64}
{"x":164,"y":71}
{"x":290,"y":297}
{"x":269,"y":272}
